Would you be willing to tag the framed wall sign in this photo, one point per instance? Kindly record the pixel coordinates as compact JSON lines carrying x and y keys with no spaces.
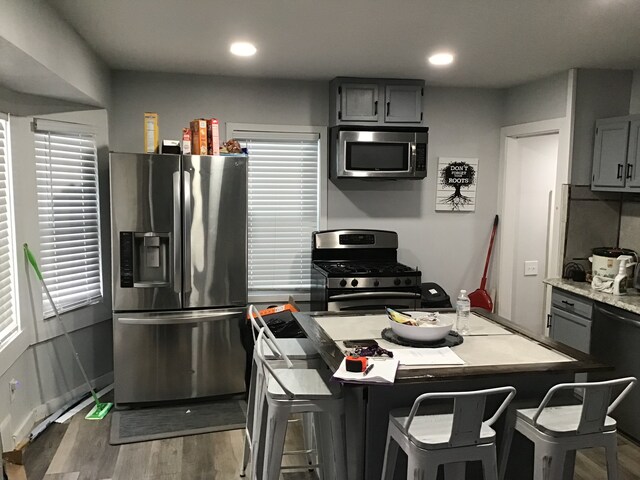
{"x":457,"y":180}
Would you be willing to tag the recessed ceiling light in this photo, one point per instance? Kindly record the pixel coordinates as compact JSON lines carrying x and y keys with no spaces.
{"x":440,"y":59}
{"x":243,"y":49}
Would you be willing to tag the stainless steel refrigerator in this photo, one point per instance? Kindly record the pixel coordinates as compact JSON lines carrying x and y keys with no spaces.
{"x":179,"y":268}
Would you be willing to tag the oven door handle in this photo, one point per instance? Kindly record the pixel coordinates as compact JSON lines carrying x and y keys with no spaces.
{"x":371,"y":295}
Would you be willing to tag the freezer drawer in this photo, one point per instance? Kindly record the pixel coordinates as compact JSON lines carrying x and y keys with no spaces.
{"x":178,"y":355}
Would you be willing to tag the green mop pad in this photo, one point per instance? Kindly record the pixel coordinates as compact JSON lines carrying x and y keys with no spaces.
{"x":100,"y":409}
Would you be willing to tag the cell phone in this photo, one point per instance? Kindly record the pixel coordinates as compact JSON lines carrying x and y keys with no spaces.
{"x":360,"y":343}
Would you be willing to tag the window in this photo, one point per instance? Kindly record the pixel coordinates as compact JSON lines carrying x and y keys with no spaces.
{"x":284,"y":205}
{"x":8,"y":319}
{"x":68,"y":214}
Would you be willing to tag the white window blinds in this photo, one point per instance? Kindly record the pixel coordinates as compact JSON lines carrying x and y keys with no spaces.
{"x":66,"y":171}
{"x":283,"y":209}
{"x":8,"y":319}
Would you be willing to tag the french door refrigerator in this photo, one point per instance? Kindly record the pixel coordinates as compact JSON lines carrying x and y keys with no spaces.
{"x":179,"y":268}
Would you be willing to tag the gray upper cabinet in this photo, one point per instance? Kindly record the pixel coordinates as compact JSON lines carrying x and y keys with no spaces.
{"x":364,"y":101}
{"x":403,"y":103}
{"x":358,"y":102}
{"x":633,"y":156}
{"x":616,"y":155}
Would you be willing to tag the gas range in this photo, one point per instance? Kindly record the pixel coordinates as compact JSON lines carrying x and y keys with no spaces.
{"x":359,"y":269}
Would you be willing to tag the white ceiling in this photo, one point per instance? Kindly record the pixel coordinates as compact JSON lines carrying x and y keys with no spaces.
{"x":498,"y":43}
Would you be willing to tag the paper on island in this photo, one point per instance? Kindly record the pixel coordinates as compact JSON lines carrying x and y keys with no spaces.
{"x":426,"y":356}
{"x":383,"y":371}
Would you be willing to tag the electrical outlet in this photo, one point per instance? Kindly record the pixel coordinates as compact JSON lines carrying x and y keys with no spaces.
{"x":13,"y":387}
{"x":530,"y":268}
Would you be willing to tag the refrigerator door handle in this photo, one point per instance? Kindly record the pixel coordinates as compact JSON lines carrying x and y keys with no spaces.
{"x":177,"y":237}
{"x":187,"y":232}
{"x":180,"y":319}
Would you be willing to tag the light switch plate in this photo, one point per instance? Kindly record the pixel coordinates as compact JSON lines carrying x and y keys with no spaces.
{"x":530,"y":268}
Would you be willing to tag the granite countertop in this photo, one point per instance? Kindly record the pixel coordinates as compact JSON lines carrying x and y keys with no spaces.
{"x":629,"y":302}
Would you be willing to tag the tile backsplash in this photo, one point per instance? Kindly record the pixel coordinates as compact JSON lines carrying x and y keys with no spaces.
{"x":600,"y":219}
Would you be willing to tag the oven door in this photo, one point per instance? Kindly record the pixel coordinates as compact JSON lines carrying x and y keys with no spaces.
{"x":373,"y":300}
{"x":380,"y":154}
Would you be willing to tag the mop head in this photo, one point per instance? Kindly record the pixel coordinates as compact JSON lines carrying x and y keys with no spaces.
{"x":99,"y":411}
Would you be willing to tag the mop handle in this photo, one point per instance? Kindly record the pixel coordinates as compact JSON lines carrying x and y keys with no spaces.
{"x":34,"y":264}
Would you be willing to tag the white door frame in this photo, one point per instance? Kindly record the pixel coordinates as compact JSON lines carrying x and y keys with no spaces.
{"x":507,"y":241}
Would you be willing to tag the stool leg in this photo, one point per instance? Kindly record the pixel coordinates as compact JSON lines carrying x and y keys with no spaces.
{"x":246,"y":453}
{"x":541,"y":463}
{"x":258,"y":438}
{"x":556,"y":461}
{"x":490,"y":463}
{"x":569,"y":464}
{"x":338,"y":442}
{"x":612,"y":457}
{"x":308,"y":436}
{"x":507,"y":438}
{"x":390,"y":457}
{"x":276,"y":430}
{"x":419,"y":469}
{"x":251,"y":401}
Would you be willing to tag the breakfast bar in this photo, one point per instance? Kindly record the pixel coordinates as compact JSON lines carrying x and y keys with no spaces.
{"x":495,"y":353}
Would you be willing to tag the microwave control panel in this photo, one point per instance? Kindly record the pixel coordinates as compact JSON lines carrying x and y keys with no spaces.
{"x":421,"y":157}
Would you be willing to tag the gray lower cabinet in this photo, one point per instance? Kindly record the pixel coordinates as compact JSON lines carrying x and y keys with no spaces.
{"x":379,"y":102}
{"x":570,"y":320}
{"x":616,"y":155}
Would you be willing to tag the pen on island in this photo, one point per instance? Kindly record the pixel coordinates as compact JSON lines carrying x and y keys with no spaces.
{"x":367,"y":370}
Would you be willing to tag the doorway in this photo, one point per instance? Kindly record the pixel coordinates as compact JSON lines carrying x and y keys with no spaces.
{"x":532,"y":208}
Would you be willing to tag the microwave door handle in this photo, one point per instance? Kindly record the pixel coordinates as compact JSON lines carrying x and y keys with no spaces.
{"x":187,"y":231}
{"x":177,"y":235}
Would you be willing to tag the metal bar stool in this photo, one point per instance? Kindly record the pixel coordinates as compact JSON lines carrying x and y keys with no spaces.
{"x":557,"y":432}
{"x":290,"y":391}
{"x":281,"y":353}
{"x":448,"y":439}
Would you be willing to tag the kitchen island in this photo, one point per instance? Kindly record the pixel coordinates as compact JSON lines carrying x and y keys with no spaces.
{"x":497,"y":352}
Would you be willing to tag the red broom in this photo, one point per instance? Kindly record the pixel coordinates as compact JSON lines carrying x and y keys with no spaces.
{"x":480,"y":297}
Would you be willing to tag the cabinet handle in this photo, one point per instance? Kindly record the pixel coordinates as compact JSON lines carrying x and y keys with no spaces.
{"x":619,"y":175}
{"x":629,"y":170}
{"x":548,"y":320}
{"x":375,"y":108}
{"x":388,"y":105}
{"x":568,"y":303}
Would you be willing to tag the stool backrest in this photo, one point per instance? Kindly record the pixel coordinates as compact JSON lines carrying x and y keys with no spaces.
{"x":468,"y":412}
{"x":263,"y":364}
{"x":258,"y":323}
{"x":596,"y":402}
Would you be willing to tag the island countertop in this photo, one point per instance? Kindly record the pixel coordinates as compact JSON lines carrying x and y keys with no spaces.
{"x":495,"y":346}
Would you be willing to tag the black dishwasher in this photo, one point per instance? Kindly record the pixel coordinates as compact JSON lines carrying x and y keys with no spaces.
{"x":615,"y":340}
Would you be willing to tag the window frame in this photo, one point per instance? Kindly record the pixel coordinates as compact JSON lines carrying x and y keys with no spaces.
{"x":234,"y":130}
{"x":49,"y":126}
{"x":7,"y":341}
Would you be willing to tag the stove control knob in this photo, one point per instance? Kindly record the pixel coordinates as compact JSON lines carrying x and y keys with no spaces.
{"x":343,"y":283}
{"x":354,"y":283}
{"x":376,"y":283}
{"x":407,"y":281}
{"x":396,"y":281}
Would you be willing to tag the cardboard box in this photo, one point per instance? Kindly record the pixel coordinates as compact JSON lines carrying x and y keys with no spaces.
{"x":213,"y":137}
{"x":199,"y":137}
{"x":150,"y":132}
{"x":186,"y":141}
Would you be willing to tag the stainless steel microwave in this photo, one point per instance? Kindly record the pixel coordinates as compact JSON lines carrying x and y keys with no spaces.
{"x":378,"y":152}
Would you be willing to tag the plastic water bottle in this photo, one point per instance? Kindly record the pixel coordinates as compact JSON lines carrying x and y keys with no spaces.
{"x":463,"y":308}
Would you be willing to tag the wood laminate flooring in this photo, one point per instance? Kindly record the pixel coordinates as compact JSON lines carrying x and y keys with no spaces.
{"x":80,"y":450}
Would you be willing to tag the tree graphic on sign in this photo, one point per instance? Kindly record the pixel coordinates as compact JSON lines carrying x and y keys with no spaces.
{"x":459,"y":176}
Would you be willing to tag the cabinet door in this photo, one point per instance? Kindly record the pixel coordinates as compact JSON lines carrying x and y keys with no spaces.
{"x":632,"y":176}
{"x":610,"y":154}
{"x":403,"y":103}
{"x":358,"y":102}
{"x":570,"y":329}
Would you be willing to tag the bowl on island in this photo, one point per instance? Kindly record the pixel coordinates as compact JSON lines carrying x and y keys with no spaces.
{"x":424,"y":331}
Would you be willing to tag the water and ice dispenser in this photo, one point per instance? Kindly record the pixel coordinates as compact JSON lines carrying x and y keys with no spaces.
{"x":145,"y":259}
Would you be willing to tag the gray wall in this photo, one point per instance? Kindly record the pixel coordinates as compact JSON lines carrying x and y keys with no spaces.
{"x":178,"y":99}
{"x":634,"y":106}
{"x":463,"y":122}
{"x":599,"y":94}
{"x":542,"y":99}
